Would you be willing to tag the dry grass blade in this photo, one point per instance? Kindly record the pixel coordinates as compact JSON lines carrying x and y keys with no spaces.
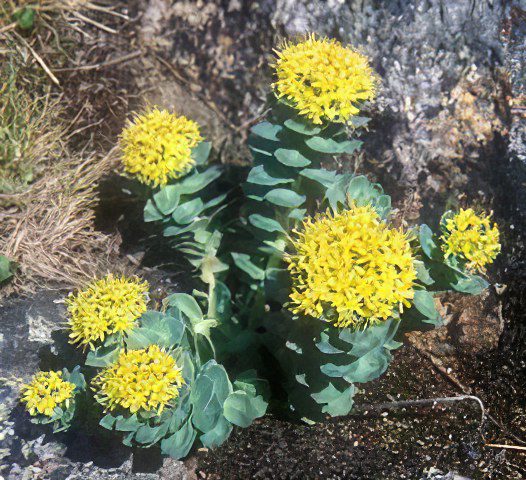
{"x":51,"y":235}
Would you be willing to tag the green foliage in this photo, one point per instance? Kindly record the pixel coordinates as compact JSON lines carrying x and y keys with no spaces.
{"x":7,"y":268}
{"x":62,"y":418}
{"x":188,"y":210}
{"x":204,"y":409}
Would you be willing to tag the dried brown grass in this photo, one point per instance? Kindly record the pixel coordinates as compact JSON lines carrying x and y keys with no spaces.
{"x":49,"y":229}
{"x":47,"y":219}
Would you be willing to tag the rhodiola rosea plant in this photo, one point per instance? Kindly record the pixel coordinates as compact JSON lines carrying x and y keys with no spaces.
{"x":302,"y":276}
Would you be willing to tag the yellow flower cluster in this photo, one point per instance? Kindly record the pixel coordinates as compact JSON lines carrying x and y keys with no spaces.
{"x":106,"y":306}
{"x":472,"y":238}
{"x":350,"y":268}
{"x":324,"y":80}
{"x":157,"y":146}
{"x":46,"y":391}
{"x":146,"y":379}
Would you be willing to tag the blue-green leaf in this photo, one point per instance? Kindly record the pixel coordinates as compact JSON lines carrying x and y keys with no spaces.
{"x":196,"y":182}
{"x":265,"y":223}
{"x":267,"y":130}
{"x":186,"y":303}
{"x":208,"y":394}
{"x":201,"y":152}
{"x":426,"y":241}
{"x":218,"y":435}
{"x":425,"y":304}
{"x":473,"y":284}
{"x":127,"y":424}
{"x":291,"y":158}
{"x":325,"y":346}
{"x":260,"y":176}
{"x":422,"y":273}
{"x":331,"y":146}
{"x":179,"y":444}
{"x":285,"y":198}
{"x":242,"y":409}
{"x":337,"y":403}
{"x":103,"y":356}
{"x":187,"y":211}
{"x":243,"y":261}
{"x":325,"y":177}
{"x":303,"y":126}
{"x":167,"y":199}
{"x":151,"y":213}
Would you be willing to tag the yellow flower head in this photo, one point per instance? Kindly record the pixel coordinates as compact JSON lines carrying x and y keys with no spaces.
{"x":106,"y":306}
{"x":350,"y":268}
{"x":146,"y":379}
{"x":324,"y":80}
{"x":471,"y":238}
{"x":46,"y":391}
{"x":157,"y":146}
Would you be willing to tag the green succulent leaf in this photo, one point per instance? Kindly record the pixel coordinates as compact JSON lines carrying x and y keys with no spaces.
{"x":337,"y":403}
{"x":151,"y":213}
{"x":265,"y":223}
{"x":108,"y":421}
{"x":186,"y":304}
{"x":26,"y":18}
{"x":336,"y":193}
{"x":201,"y":152}
{"x":471,"y":284}
{"x":179,"y":444}
{"x":149,"y":435}
{"x":325,"y":177}
{"x":325,"y":346}
{"x":364,"y":369}
{"x":425,"y":304}
{"x":76,"y":377}
{"x":422,"y":273}
{"x":374,"y":336}
{"x":156,"y":329}
{"x":285,"y":198}
{"x":331,"y":146}
{"x":291,"y":158}
{"x":260,"y":176}
{"x":103,"y":356}
{"x":209,"y":392}
{"x":187,"y":211}
{"x":127,"y":424}
{"x":196,"y":182}
{"x":243,"y":262}
{"x":6,"y":268}
{"x":167,"y":199}
{"x":241,"y":409}
{"x":267,"y":130}
{"x":429,"y":247}
{"x":218,"y":435}
{"x":301,"y":125}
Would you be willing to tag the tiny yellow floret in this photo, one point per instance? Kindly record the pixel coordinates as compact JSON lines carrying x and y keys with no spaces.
{"x":323,"y":80}
{"x":106,"y":306}
{"x":45,"y":392}
{"x":146,"y":379}
{"x":157,"y":146}
{"x":471,"y":238}
{"x":350,"y":268}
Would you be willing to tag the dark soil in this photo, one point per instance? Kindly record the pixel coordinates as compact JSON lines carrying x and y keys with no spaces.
{"x":394,"y":444}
